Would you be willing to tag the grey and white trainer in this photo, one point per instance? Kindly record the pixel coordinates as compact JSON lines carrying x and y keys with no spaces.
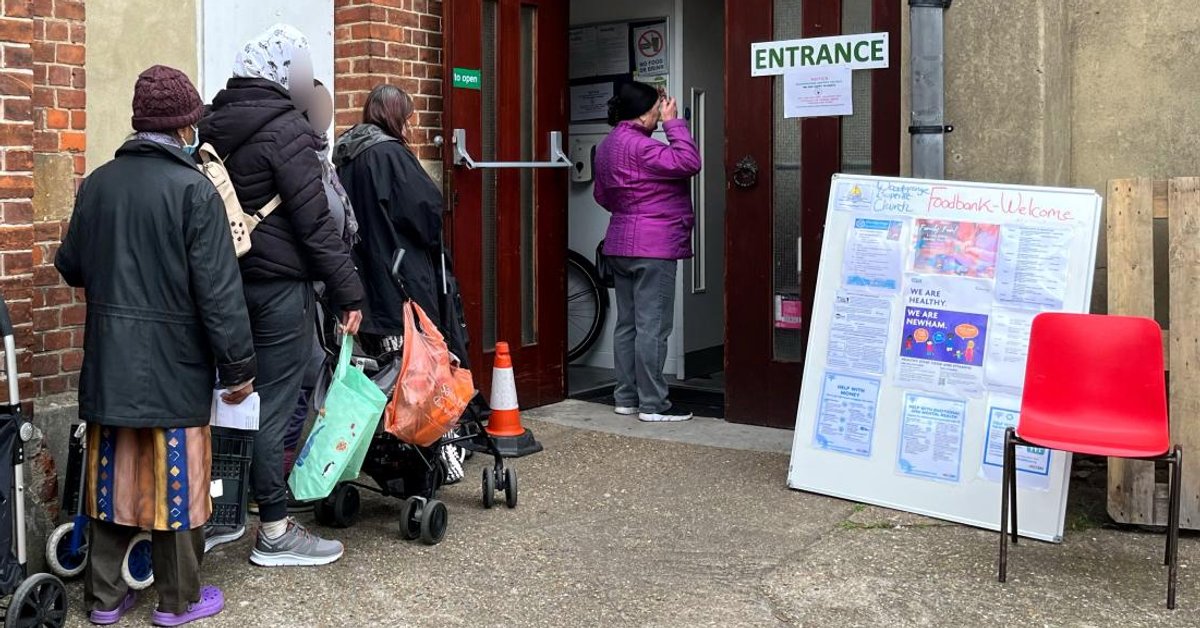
{"x":296,"y":547}
{"x":215,"y":536}
{"x":670,"y":415}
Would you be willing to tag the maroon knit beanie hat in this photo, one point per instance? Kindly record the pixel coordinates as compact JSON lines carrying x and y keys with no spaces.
{"x":164,"y":99}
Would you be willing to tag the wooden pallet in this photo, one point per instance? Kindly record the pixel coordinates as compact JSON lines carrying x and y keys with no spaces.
{"x":1134,"y":495}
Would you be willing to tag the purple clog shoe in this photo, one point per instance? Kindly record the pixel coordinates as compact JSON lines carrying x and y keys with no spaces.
{"x":212,"y":601}
{"x":108,"y":618}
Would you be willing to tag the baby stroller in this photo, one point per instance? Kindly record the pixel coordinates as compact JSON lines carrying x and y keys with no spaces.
{"x":412,"y":473}
{"x":38,"y":599}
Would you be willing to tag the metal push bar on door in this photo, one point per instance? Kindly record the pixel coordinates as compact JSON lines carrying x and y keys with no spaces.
{"x":558,"y":159}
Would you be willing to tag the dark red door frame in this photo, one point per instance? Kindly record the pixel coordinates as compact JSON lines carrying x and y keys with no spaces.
{"x":463,"y":109}
{"x":540,"y":366}
{"x":760,"y":390}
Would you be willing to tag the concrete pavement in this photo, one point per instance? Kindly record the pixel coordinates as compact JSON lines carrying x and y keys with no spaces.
{"x":614,"y":530}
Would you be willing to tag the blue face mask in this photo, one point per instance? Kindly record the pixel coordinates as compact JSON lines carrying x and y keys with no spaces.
{"x":191,"y":148}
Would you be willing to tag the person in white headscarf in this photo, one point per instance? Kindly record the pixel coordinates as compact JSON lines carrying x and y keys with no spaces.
{"x":273,"y":55}
{"x":258,"y":126}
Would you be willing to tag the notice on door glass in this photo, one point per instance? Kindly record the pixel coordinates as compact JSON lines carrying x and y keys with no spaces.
{"x":846,"y":422}
{"x":818,"y":92}
{"x":874,"y":255}
{"x":858,"y":333}
{"x":931,"y":437}
{"x":1033,"y":463}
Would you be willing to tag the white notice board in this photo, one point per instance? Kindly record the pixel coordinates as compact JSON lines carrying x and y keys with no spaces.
{"x":917,"y":346}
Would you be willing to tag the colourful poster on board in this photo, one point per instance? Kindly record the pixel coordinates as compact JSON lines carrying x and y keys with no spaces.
{"x":944,"y":333}
{"x":944,"y":336}
{"x":956,"y":248}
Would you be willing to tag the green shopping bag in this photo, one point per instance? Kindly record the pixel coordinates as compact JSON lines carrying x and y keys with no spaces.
{"x":338,"y":443}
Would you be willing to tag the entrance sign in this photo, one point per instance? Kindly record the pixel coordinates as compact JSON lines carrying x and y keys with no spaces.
{"x":857,"y":52}
{"x":920,"y":331}
{"x":818,"y":92}
{"x":467,"y":79}
{"x":650,"y":49}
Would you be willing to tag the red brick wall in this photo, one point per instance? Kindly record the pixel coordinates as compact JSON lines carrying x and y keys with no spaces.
{"x":390,"y":41}
{"x":16,"y":180}
{"x":42,"y":84}
{"x":59,"y":142}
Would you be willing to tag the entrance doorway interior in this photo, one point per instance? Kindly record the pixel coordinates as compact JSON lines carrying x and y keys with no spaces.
{"x":680,"y":39}
{"x":742,"y":301}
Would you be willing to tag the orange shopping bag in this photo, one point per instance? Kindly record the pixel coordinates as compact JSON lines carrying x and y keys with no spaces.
{"x":432,"y":391}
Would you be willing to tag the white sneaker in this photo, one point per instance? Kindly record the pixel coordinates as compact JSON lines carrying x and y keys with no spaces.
{"x":625,"y":410}
{"x":670,"y":415}
{"x":454,"y":469}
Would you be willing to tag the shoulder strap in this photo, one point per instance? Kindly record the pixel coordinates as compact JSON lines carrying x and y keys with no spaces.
{"x":253,"y":219}
{"x":208,"y":153}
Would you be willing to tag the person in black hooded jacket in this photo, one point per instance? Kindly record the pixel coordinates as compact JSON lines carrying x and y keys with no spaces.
{"x":398,"y":206}
{"x":270,"y":149}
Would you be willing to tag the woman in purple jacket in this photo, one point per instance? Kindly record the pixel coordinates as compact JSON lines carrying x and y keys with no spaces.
{"x":644,"y":184}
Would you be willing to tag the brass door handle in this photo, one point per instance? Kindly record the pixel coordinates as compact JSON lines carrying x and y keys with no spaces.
{"x":745,"y":173}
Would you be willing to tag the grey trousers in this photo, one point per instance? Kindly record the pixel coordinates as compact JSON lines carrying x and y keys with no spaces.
{"x":281,"y":317}
{"x":645,"y":316}
{"x":176,"y":558}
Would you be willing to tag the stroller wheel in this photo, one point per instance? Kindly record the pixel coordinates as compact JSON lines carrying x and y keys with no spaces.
{"x":489,"y":488}
{"x":434,"y":520}
{"x":345,"y":504}
{"x":64,"y":560}
{"x":340,"y":509}
{"x":410,"y":519}
{"x":138,"y":567}
{"x":510,"y":487}
{"x":41,"y":600}
{"x":323,"y":511}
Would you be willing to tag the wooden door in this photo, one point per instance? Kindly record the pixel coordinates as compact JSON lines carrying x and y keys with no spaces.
{"x":775,"y":219}
{"x":508,"y":225}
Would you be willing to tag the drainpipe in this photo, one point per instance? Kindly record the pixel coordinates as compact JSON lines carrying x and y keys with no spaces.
{"x":929,"y":128}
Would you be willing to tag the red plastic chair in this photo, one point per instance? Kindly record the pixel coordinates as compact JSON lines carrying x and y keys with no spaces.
{"x":1094,"y":385}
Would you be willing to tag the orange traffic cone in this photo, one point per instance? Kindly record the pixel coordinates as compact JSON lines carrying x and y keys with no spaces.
{"x":504,"y":424}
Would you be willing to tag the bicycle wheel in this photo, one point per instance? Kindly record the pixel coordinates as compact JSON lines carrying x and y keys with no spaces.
{"x":587,"y":305}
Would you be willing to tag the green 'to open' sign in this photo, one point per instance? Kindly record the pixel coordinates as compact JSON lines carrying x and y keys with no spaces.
{"x":467,"y":79}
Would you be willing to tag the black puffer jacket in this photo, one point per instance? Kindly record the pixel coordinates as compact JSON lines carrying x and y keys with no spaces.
{"x":149,"y":243}
{"x":269,"y":148}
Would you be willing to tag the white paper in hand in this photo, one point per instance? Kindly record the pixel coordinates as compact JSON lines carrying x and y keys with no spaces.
{"x":243,"y":416}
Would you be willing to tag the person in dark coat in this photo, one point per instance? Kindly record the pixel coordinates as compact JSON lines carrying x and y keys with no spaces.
{"x":320,"y":117}
{"x":399,"y":206}
{"x":149,"y":244}
{"x":270,"y":149}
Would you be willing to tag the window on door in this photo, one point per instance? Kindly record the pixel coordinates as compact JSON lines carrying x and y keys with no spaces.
{"x":855,"y":159}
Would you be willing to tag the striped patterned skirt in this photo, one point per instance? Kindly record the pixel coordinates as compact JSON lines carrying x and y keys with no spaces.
{"x":150,"y":478}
